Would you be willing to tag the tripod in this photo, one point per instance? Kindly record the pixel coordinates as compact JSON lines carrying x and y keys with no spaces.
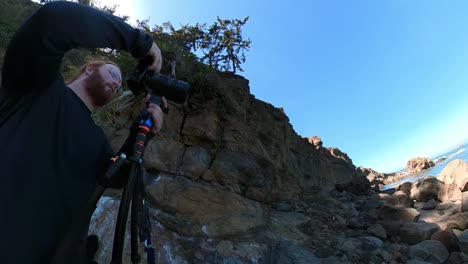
{"x":133,"y":193}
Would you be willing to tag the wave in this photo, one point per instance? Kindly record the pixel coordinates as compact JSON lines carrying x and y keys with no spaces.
{"x":456,"y":153}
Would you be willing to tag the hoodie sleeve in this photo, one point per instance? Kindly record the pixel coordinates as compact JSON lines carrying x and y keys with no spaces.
{"x":34,"y":54}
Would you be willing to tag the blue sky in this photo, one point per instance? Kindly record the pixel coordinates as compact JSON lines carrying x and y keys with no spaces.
{"x":383,"y":81}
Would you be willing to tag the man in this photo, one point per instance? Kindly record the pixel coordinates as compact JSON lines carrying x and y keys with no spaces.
{"x":51,"y":152}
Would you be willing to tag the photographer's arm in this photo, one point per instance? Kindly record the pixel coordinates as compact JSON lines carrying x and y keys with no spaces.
{"x":33,"y":57}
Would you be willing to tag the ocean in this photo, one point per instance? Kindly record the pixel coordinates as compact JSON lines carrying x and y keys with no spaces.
{"x":460,"y":152}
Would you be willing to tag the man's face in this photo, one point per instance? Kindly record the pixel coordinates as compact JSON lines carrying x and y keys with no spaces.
{"x":103,"y":83}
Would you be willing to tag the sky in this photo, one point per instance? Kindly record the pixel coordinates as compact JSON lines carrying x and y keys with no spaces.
{"x":383,"y":81}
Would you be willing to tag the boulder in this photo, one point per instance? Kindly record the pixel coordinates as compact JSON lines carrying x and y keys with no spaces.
{"x":431,"y":251}
{"x":430,"y":205}
{"x":428,"y":188}
{"x":419,"y":164}
{"x":405,"y":187}
{"x":455,"y":172}
{"x":400,"y":198}
{"x":394,"y":213}
{"x":378,"y":231}
{"x":448,"y":238}
{"x":413,"y":233}
{"x":458,"y":221}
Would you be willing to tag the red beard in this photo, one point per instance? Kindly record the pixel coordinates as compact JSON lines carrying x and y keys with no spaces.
{"x":97,"y":90}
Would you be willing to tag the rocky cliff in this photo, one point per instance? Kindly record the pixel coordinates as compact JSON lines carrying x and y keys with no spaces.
{"x":229,"y":173}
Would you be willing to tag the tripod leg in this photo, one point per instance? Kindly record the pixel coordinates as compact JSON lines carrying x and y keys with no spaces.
{"x":122,"y":216}
{"x":136,"y":201}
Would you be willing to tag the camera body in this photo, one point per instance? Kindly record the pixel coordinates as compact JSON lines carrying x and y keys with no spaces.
{"x":158,"y":85}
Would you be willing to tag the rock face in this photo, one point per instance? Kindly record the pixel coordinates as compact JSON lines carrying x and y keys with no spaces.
{"x":226,"y":161}
{"x":419,"y":164}
{"x":225,"y":137}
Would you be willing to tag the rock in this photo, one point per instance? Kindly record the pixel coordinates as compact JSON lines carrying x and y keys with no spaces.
{"x":458,"y":221}
{"x":235,"y":251}
{"x":448,"y":238}
{"x":453,"y":193}
{"x":355,"y":223}
{"x":419,"y":164}
{"x":416,"y":261}
{"x":463,"y":241}
{"x":457,"y":258}
{"x":391,"y":227}
{"x":202,"y":126}
{"x":384,"y":196}
{"x":432,"y":251}
{"x":285,"y":207}
{"x":164,"y":155}
{"x":378,"y":231}
{"x":201,"y":210}
{"x":430,"y":205}
{"x":413,"y":233}
{"x":336,"y":152}
{"x":370,"y":243}
{"x":445,"y":206}
{"x":287,"y":226}
{"x":428,"y":188}
{"x":195,"y":162}
{"x":405,"y":187}
{"x":386,"y":257}
{"x":288,"y":253}
{"x":375,"y":178}
{"x":393,"y":213}
{"x":455,"y":172}
{"x":372,"y":202}
{"x":464,"y":203}
{"x":400,"y":198}
{"x":352,"y":247}
{"x":389,"y":191}
{"x":316,"y":142}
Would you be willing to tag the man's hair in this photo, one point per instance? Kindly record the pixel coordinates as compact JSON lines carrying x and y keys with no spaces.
{"x":95,"y":63}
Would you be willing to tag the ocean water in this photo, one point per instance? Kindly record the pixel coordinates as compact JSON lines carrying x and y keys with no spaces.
{"x":461,"y":152}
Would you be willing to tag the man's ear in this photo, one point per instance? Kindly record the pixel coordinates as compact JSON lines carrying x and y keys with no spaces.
{"x":89,"y":69}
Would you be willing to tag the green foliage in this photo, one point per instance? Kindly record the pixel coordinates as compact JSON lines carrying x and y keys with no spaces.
{"x":223,"y":45}
{"x":12,"y":14}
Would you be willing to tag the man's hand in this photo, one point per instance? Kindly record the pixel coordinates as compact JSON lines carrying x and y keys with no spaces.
{"x":153,"y":58}
{"x":156,"y":113}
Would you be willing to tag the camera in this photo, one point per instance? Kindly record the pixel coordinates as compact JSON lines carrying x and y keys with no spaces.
{"x":158,"y":85}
